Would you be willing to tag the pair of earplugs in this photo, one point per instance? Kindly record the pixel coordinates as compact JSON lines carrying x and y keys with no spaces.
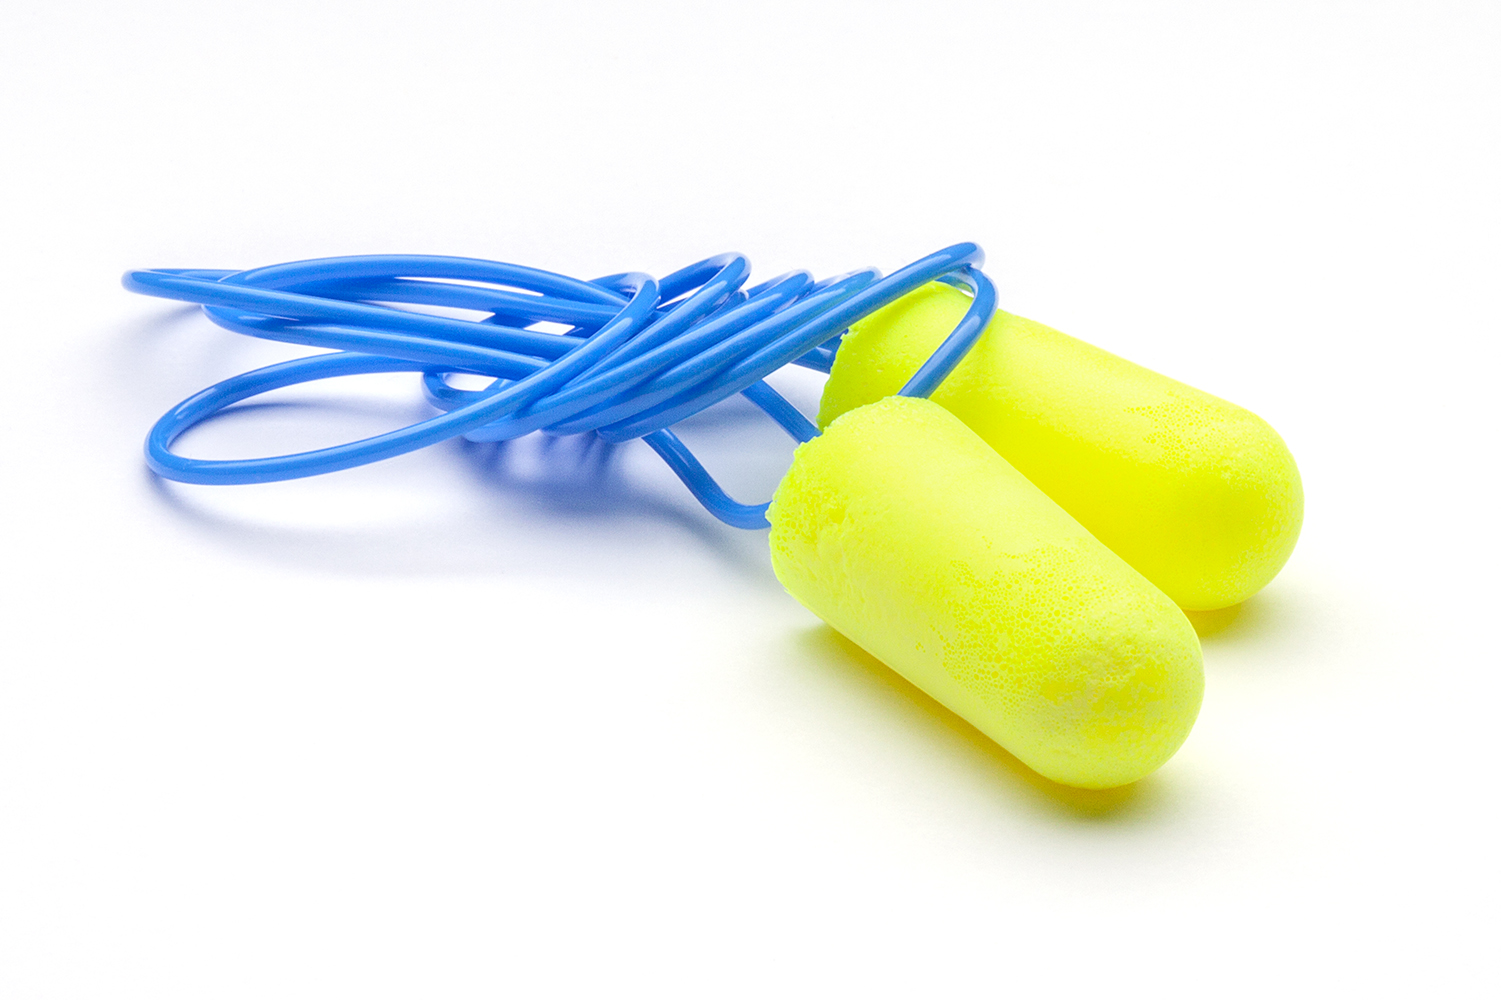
{"x":1008,"y":517}
{"x":1020,"y":545}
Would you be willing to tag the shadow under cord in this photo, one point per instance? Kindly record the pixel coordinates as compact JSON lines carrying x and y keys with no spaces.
{"x":578,"y":487}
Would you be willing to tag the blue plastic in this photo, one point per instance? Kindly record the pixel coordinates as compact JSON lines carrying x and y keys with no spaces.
{"x":639,"y":355}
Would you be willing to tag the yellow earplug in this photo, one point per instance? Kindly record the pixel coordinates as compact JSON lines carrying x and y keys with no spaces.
{"x":905,"y":531}
{"x":1199,"y":495}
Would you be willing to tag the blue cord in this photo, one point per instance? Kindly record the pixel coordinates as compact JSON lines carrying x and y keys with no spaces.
{"x":639,"y":355}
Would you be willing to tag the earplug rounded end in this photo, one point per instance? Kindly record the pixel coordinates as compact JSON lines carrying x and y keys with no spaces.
{"x":910,"y":535}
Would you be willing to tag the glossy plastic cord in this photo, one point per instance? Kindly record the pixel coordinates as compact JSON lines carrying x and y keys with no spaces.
{"x":638,"y":356}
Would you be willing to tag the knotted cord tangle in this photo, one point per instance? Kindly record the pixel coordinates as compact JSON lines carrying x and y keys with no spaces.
{"x":638,"y":356}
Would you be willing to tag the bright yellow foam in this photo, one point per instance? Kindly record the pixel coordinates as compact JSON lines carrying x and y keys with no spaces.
{"x":1200,"y":495}
{"x":906,"y":532}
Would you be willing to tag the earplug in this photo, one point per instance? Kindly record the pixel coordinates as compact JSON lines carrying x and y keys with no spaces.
{"x":906,"y":532}
{"x":1201,"y":496}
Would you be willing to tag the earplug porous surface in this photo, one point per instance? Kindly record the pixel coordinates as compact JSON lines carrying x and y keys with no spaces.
{"x":1200,"y":495}
{"x":910,"y":535}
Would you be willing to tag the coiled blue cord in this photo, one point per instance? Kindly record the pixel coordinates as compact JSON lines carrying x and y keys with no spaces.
{"x":639,"y":355}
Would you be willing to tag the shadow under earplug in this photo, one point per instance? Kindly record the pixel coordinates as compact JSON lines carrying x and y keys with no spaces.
{"x":824,"y":645}
{"x":1271,"y":615}
{"x":1211,"y":623}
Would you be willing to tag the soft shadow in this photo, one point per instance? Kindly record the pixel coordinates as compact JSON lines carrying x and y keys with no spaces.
{"x":577,"y":496}
{"x":1211,"y":623}
{"x":828,"y":648}
{"x":582,"y":480}
{"x":1260,"y":618}
{"x":155,"y":360}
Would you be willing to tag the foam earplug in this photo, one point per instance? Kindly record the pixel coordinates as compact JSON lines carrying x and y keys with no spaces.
{"x":914,"y":538}
{"x":1198,"y":494}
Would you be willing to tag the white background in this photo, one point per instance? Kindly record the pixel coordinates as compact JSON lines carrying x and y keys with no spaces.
{"x":527,"y":721}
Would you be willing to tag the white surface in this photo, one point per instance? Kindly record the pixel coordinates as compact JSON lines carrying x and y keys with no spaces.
{"x":532,"y":724}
